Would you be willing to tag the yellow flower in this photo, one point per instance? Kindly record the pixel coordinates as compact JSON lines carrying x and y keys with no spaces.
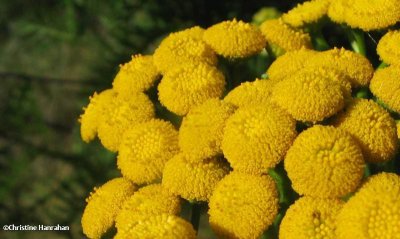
{"x":182,"y":47}
{"x":104,"y":205}
{"x":234,"y":39}
{"x":123,"y":113}
{"x":257,"y":138}
{"x":193,"y":180}
{"x":385,"y":85}
{"x":243,"y":206}
{"x":307,"y":12}
{"x":92,"y":113}
{"x":310,"y":218}
{"x":374,"y":211}
{"x":251,"y":93}
{"x":355,"y":66}
{"x":388,"y":47}
{"x":145,"y":149}
{"x":398,"y":129}
{"x":279,"y":34}
{"x":135,"y":76}
{"x":202,"y":128}
{"x":365,"y":14}
{"x":372,"y":127}
{"x":324,"y":162}
{"x":164,"y":226}
{"x":190,"y":85}
{"x":289,"y":63}
{"x":309,"y":96}
{"x":149,"y":200}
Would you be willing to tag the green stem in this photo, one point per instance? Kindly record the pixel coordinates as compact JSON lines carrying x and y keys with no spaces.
{"x":319,"y":41}
{"x":382,"y":65}
{"x":363,"y":93}
{"x":367,"y":171}
{"x":195,"y":217}
{"x":357,"y":41}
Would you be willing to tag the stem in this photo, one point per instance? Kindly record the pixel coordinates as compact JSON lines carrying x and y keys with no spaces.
{"x":319,"y":41}
{"x":367,"y":171}
{"x":382,"y":65}
{"x":363,"y":93}
{"x":357,"y":41}
{"x":195,"y":217}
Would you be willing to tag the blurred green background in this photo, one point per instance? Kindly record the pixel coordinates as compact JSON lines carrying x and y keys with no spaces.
{"x":53,"y":55}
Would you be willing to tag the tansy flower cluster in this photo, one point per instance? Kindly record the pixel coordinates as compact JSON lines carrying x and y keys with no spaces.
{"x":306,"y":150}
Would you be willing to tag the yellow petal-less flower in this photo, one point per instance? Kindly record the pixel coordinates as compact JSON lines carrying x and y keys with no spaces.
{"x":251,"y":93}
{"x":145,"y":149}
{"x":182,"y":47}
{"x":104,"y":205}
{"x":309,"y":96}
{"x":202,"y":129}
{"x":385,"y":85}
{"x":279,"y":34}
{"x":398,"y":129}
{"x":332,"y":74}
{"x":374,"y":211}
{"x":92,"y":113}
{"x":159,"y":226}
{"x":372,"y":127}
{"x":389,"y":48}
{"x":307,"y":12}
{"x":190,"y":85}
{"x":243,"y":206}
{"x":137,"y":75}
{"x":193,"y":181}
{"x":123,"y":114}
{"x":235,"y":39}
{"x":149,"y":200}
{"x":257,"y":138}
{"x":355,"y":66}
{"x":289,"y":63}
{"x":324,"y":162}
{"x":365,"y":14}
{"x":310,"y":218}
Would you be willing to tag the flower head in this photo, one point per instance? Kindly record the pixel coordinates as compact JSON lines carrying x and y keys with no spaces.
{"x":324,"y":162}
{"x":251,"y":93}
{"x":279,"y":34}
{"x":388,"y":47}
{"x":202,"y":128}
{"x":135,"y":76}
{"x":365,"y":14}
{"x":243,"y":206}
{"x":309,"y":96}
{"x":103,"y":205}
{"x":355,"y":66}
{"x":193,"y":179}
{"x":398,"y":129}
{"x":385,"y":85}
{"x":257,"y":138}
{"x":145,"y":149}
{"x":374,"y":211}
{"x":158,"y":226}
{"x":90,"y":118}
{"x":190,"y":85}
{"x":289,"y":63}
{"x":307,"y":12}
{"x":372,"y":127}
{"x":234,"y":39}
{"x":122,"y":114}
{"x":182,"y":47}
{"x":149,"y":200}
{"x":310,"y":218}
